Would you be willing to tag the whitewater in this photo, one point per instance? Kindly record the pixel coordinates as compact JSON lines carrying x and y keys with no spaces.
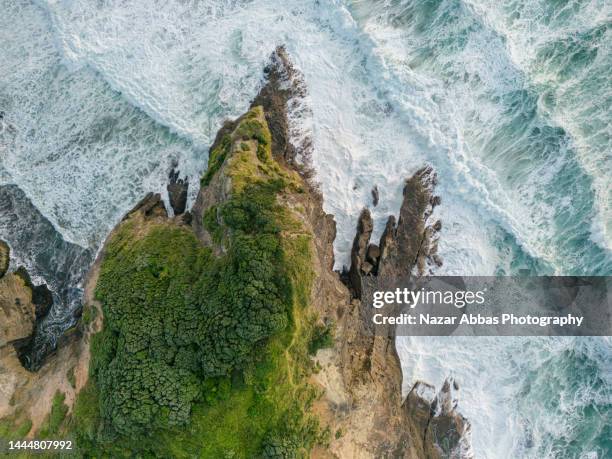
{"x":509,"y":101}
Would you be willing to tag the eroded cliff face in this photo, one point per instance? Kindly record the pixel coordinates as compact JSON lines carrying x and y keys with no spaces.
{"x":26,"y":397}
{"x":364,"y":369}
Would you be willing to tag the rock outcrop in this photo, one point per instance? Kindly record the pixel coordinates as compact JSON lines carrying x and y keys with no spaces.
{"x":17,"y":311}
{"x":434,"y":420}
{"x":177,"y":192}
{"x":34,"y":240}
{"x":41,"y":295}
{"x":426,"y":424}
{"x":375,"y":196}
{"x":4,"y":258}
{"x":26,"y":397}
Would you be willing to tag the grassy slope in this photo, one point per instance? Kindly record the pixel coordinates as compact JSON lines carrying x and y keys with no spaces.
{"x":260,"y":406}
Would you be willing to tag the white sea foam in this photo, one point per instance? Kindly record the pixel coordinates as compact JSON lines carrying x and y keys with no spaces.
{"x":155,"y":57}
{"x":80,"y":152}
{"x":567,"y":48}
{"x":520,"y":394}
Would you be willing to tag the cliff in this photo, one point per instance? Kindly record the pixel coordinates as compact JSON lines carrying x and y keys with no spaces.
{"x":27,"y":399}
{"x":224,"y":331}
{"x":380,"y":424}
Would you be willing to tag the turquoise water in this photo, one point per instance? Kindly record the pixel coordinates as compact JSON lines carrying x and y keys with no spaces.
{"x":509,"y":100}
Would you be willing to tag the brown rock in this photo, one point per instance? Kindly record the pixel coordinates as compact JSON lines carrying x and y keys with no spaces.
{"x":440,"y":431}
{"x":373,"y":254}
{"x":151,"y":205}
{"x":4,"y":258}
{"x":365,"y":227}
{"x":177,"y":192}
{"x":366,"y":268}
{"x":41,"y":295}
{"x":17,"y":312}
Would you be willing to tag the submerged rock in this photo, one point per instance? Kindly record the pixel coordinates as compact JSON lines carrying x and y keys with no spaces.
{"x":375,"y":196}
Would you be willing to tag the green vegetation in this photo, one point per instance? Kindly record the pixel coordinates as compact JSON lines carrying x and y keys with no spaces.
{"x":89,"y":315}
{"x":216,"y":159}
{"x":71,"y":377}
{"x":204,"y":356}
{"x":52,"y":424}
{"x":212,"y":225}
{"x":10,"y":430}
{"x":322,"y":338}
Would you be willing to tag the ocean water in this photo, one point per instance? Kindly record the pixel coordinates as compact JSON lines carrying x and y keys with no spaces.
{"x":509,"y":101}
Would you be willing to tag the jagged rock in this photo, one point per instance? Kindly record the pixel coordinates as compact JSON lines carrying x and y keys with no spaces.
{"x":4,"y":258}
{"x":283,"y":92}
{"x":177,"y":192}
{"x":365,"y":226}
{"x":373,"y":254}
{"x":362,"y":375}
{"x":375,"y":196}
{"x":150,"y":205}
{"x":407,"y":246}
{"x":431,"y":428}
{"x":404,"y":245}
{"x":434,"y":419}
{"x":419,"y":405}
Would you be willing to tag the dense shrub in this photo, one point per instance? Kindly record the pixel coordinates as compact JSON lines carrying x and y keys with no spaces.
{"x":174,"y":315}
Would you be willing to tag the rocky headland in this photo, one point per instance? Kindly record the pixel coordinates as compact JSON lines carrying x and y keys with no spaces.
{"x":281,"y":352}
